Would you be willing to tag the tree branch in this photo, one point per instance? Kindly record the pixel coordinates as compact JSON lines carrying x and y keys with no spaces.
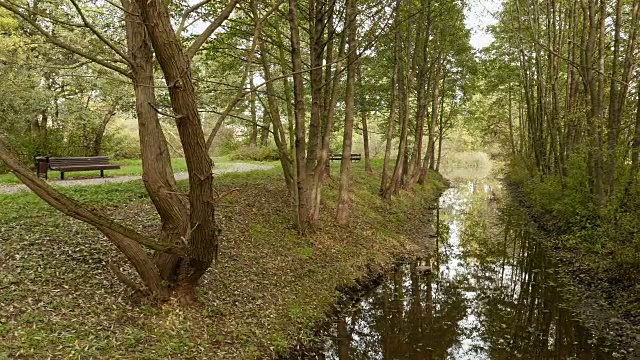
{"x":186,"y":14}
{"x":99,"y":34}
{"x":164,"y":113}
{"x":200,"y":40}
{"x":54,"y":40}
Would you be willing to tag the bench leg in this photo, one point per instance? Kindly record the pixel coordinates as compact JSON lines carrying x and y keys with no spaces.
{"x":61,"y":175}
{"x":101,"y":173}
{"x":46,"y":175}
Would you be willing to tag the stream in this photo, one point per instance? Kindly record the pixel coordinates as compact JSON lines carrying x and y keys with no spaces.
{"x":488,"y":292}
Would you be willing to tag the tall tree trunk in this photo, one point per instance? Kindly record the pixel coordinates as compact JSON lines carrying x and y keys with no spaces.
{"x":342,"y":216}
{"x":202,"y":235}
{"x":365,"y":139}
{"x":384,"y":185}
{"x":315,"y":168}
{"x":403,"y":101}
{"x":429,"y":158}
{"x":421,"y":57}
{"x":329,"y":99}
{"x":511,"y":138}
{"x":365,"y":127}
{"x":302,"y":178}
{"x":635,"y":148}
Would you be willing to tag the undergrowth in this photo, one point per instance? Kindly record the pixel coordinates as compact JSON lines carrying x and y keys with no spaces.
{"x":601,"y":244}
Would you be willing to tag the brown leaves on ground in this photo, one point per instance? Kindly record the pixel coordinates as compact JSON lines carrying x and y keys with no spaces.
{"x":58,"y":298}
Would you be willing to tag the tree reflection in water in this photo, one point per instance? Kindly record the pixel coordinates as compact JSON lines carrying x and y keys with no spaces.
{"x":493,"y":294}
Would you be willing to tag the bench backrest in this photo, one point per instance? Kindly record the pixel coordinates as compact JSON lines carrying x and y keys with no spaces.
{"x":78,"y":161}
{"x":339,"y":156}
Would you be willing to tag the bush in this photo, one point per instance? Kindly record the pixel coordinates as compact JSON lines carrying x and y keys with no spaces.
{"x":225,"y":142}
{"x":256,"y":153}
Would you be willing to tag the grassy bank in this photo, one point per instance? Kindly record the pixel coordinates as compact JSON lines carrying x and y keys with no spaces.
{"x":599,"y":248}
{"x":57,"y":298}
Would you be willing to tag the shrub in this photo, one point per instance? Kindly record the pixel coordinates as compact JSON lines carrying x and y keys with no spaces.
{"x":256,"y":153}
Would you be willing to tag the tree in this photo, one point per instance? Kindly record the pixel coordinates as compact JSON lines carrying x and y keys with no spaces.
{"x":350,"y":109}
{"x":188,"y":241}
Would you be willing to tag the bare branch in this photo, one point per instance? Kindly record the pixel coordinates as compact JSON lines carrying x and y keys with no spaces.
{"x":164,"y":113}
{"x":241,"y":94}
{"x":244,"y":93}
{"x":239,"y":118}
{"x":186,"y":14}
{"x":200,"y":40}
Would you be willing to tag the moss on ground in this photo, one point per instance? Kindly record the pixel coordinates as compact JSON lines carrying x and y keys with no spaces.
{"x":269,"y":288}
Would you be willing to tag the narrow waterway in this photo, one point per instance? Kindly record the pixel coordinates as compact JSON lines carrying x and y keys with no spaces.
{"x":489,"y":292}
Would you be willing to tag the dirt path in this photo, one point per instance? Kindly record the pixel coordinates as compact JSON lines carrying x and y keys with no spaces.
{"x":233,"y":167}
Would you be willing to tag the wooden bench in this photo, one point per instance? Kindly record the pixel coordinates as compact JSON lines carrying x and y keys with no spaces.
{"x":338,"y":157}
{"x":68,"y":164}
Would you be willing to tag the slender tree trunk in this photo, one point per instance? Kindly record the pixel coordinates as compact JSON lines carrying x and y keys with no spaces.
{"x":365,"y":137}
{"x":279,"y":135}
{"x":384,"y":185}
{"x":342,"y":216}
{"x":303,"y":194}
{"x":429,"y":159}
{"x":253,"y":137}
{"x":403,"y":102}
{"x":635,"y":148}
{"x":365,"y":127}
{"x":511,"y":137}
{"x":102,"y":127}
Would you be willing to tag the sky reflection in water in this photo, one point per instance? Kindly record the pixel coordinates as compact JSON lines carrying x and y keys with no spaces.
{"x":492,"y":294}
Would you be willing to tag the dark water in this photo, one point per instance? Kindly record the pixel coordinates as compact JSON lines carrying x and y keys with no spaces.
{"x":492,"y":294}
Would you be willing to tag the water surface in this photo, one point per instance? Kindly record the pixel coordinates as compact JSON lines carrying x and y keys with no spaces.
{"x":489,"y":292}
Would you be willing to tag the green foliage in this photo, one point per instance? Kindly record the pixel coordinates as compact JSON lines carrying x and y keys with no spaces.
{"x":256,"y":153}
{"x":605,"y":241}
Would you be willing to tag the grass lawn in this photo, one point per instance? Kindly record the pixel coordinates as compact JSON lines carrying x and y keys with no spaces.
{"x":127,"y":167}
{"x":59,"y":300}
